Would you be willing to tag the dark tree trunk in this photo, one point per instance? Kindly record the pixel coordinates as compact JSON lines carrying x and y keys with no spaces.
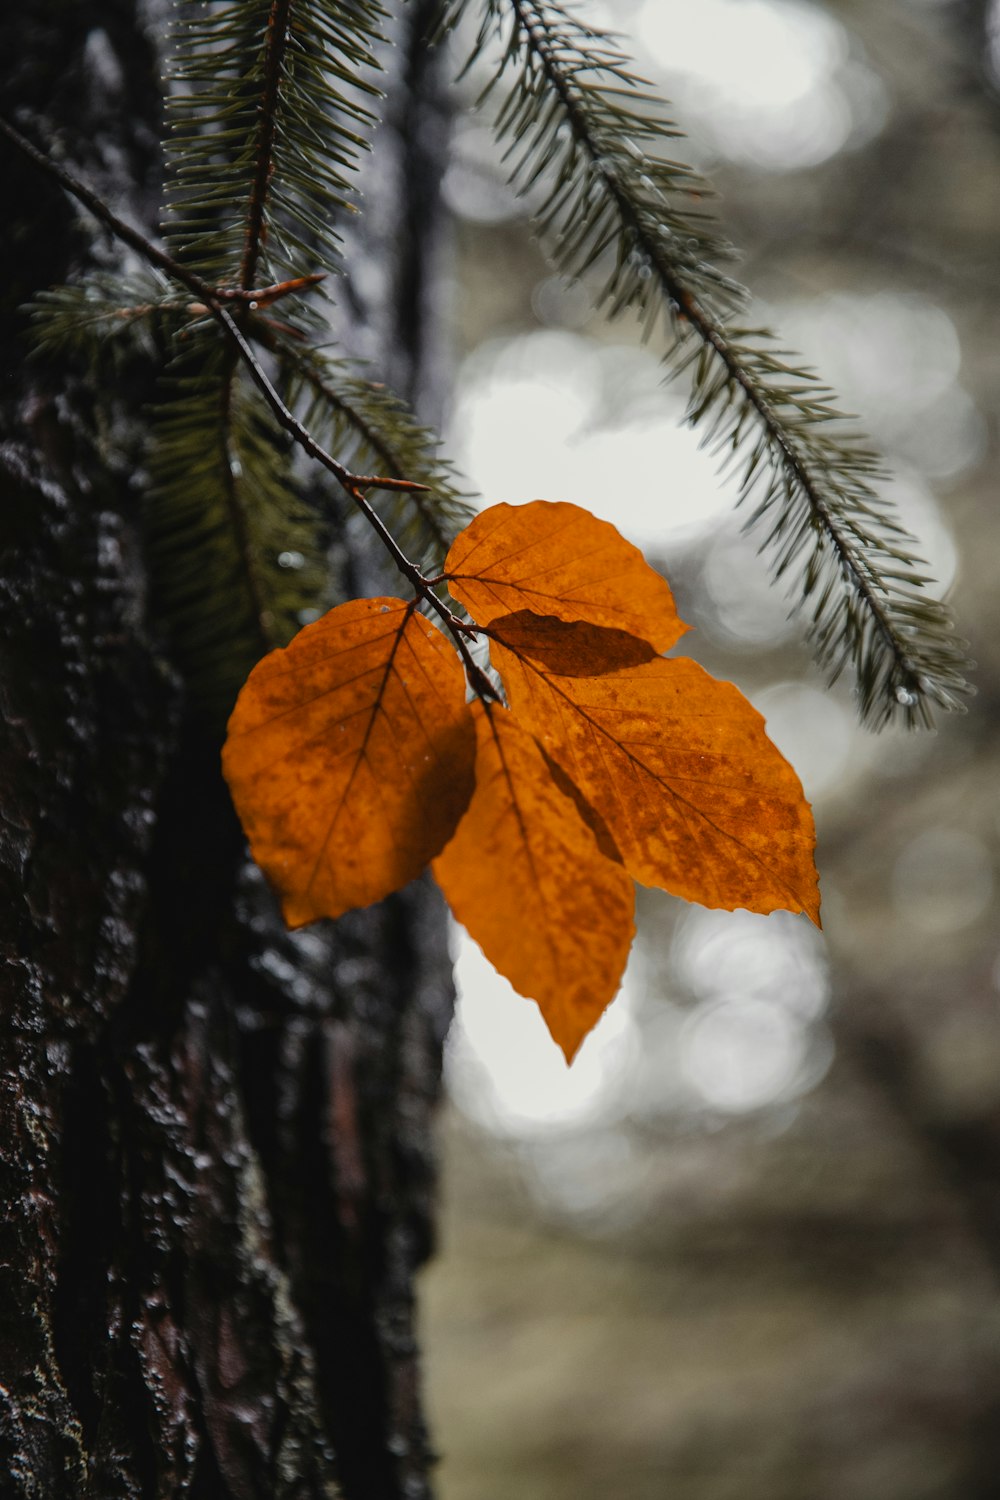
{"x":215,"y":1153}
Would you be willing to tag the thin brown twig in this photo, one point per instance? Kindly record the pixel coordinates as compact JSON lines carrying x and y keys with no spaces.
{"x":457,"y":628}
{"x":353,"y":484}
{"x":383,"y":450}
{"x":208,"y":295}
{"x":264,"y":296}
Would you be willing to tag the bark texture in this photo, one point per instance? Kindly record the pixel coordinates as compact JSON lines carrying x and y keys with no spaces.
{"x":216,"y":1163}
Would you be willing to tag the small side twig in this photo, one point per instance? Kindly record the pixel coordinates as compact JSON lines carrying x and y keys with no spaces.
{"x":264,"y":296}
{"x":263,"y":331}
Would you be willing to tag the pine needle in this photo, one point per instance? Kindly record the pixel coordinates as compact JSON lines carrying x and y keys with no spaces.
{"x":581,"y":128}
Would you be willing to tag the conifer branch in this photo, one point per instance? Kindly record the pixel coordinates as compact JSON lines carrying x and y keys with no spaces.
{"x":274,"y":54}
{"x":239,"y":520}
{"x":219,"y":512}
{"x":116,"y":311}
{"x":355,"y":485}
{"x":207,"y":295}
{"x":268,"y":114}
{"x":582,"y":127}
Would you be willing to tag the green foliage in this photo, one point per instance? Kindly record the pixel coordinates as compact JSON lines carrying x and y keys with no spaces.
{"x":581,"y":129}
{"x":109,"y":319}
{"x":267,"y":119}
{"x":236,"y":557}
{"x":270,"y":105}
{"x":271,"y":102}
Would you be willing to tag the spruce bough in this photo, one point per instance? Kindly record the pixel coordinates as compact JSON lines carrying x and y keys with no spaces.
{"x":271,"y":104}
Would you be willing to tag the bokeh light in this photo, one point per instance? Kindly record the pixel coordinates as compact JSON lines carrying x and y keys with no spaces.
{"x":744,"y":610}
{"x":779,"y":958}
{"x":475,"y":187}
{"x":815,"y":732}
{"x":505,"y":1071}
{"x":541,"y":416}
{"x":942,"y":880}
{"x":896,"y":358}
{"x":766,"y":82}
{"x":740,"y":1054}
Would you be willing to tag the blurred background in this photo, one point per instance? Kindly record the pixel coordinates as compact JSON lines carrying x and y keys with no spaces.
{"x":749,"y":1245}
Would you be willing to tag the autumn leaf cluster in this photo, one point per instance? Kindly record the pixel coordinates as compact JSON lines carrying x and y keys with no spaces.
{"x":355,"y":760}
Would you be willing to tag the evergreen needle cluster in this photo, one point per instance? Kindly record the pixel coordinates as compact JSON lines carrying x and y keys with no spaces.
{"x":584,"y":135}
{"x":270,"y":103}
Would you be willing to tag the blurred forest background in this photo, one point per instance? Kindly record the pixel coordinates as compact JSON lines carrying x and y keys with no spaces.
{"x":750,"y":1244}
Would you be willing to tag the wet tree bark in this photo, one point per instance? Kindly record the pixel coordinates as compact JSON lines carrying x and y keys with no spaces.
{"x":215,"y":1155}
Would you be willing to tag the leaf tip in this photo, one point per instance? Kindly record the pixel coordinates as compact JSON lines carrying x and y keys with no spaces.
{"x":569,"y":1050}
{"x":569,"y":1039}
{"x":297,"y":912}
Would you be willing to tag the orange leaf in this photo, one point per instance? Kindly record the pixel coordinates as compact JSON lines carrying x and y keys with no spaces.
{"x":525,"y":876}
{"x":677,"y":764}
{"x":556,"y":559}
{"x":350,"y":757}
